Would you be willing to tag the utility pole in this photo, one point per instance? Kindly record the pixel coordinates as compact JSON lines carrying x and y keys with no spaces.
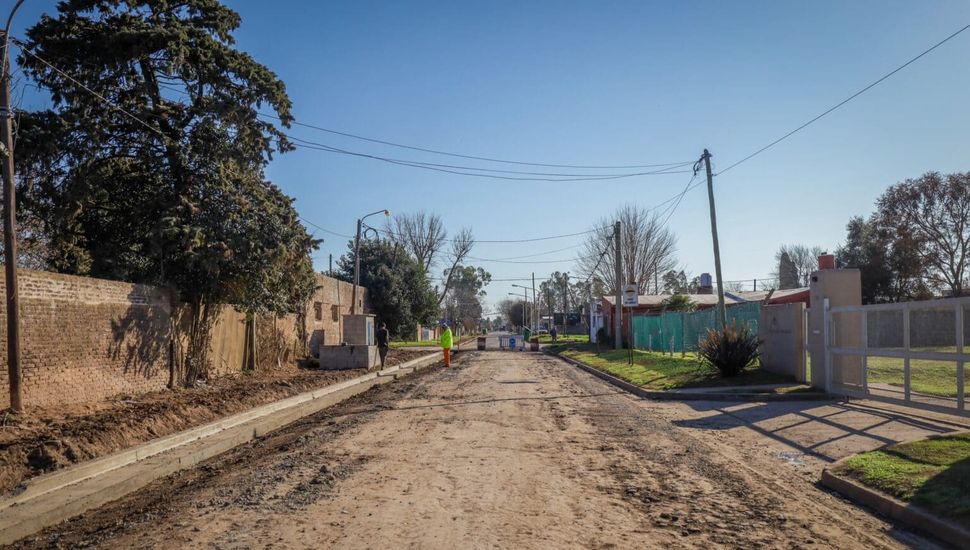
{"x":535,"y":305}
{"x":721,"y":310}
{"x":353,"y":305}
{"x":618,"y":276}
{"x":10,"y":226}
{"x":331,"y":265}
{"x":565,"y":314}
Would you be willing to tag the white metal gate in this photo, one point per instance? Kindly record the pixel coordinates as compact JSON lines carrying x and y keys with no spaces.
{"x":909,"y":352}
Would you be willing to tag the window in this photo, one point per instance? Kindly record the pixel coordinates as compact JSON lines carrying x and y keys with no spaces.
{"x":318,"y":311}
{"x":334,"y":313}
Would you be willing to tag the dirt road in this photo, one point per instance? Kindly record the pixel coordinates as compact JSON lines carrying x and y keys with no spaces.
{"x":509,"y":450}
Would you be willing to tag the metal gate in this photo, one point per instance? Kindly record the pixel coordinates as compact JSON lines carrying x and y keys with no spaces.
{"x":910,"y":353}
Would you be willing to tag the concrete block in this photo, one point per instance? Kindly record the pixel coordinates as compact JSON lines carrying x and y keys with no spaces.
{"x":348,"y":357}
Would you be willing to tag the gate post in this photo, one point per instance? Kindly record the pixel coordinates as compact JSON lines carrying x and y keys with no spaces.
{"x":840,"y":287}
{"x":827,"y":339}
{"x":961,"y":389}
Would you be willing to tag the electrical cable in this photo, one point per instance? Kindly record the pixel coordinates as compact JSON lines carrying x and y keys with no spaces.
{"x":846,"y":100}
{"x":473,"y":157}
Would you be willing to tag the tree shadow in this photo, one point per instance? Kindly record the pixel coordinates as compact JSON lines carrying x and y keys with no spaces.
{"x":141,"y":338}
{"x":812,"y":427}
{"x":947,"y":494}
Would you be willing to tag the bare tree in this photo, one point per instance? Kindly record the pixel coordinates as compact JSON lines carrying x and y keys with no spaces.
{"x":647,"y":247}
{"x":421,"y":234}
{"x":461,"y":245}
{"x":804,"y":260}
{"x":934,"y":211}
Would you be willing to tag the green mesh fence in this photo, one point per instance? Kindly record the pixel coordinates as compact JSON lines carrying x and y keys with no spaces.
{"x":681,"y":332}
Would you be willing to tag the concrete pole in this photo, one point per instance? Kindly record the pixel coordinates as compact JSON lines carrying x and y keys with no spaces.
{"x":618,"y":275}
{"x":10,"y":228}
{"x":353,"y":306}
{"x":721,"y":310}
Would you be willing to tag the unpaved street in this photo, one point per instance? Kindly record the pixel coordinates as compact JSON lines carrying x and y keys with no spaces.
{"x":508,"y":450}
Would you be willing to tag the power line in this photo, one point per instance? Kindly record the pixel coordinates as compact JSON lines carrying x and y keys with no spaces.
{"x":464,"y":170}
{"x":472,"y":157}
{"x":329,"y":148}
{"x":114,"y":105}
{"x":846,"y":100}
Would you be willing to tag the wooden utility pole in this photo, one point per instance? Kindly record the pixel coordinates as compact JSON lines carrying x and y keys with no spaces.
{"x":721,"y":310}
{"x":618,"y":283}
{"x":10,"y":228}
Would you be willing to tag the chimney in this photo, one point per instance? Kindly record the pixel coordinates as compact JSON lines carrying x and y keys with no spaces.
{"x":706,"y":285}
{"x":826,"y":261}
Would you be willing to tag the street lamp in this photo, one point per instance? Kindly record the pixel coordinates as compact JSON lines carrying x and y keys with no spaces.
{"x":360,"y":225}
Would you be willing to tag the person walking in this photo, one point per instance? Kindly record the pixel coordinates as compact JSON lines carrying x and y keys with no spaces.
{"x":383,"y":342}
{"x":446,"y":342}
{"x":554,"y":333}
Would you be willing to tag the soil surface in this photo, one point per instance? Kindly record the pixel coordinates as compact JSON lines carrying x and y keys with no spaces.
{"x":44,"y":440}
{"x":506,"y":449}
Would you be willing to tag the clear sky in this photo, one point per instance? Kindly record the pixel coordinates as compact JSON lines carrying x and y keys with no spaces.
{"x":613,"y":83}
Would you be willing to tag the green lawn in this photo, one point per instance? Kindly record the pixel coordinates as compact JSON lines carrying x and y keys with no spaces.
{"x":412,"y":343}
{"x":572,"y":338}
{"x":928,"y":377}
{"x":932,"y":473}
{"x":427,"y":343}
{"x":655,"y":371}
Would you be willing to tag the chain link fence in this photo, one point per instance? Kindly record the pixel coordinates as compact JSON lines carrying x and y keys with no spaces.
{"x":675,"y":331}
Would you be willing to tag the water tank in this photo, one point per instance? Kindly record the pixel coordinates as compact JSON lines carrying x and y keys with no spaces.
{"x":706,"y":280}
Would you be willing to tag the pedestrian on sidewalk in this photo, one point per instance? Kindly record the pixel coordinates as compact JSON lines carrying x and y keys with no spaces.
{"x":383,"y":342}
{"x":446,"y":342}
{"x":554,"y":333}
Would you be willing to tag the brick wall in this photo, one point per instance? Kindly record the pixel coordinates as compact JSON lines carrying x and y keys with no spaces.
{"x":84,"y":339}
{"x":331,"y":301}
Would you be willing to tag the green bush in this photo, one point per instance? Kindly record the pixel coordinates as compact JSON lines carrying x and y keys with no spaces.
{"x":730,"y":350}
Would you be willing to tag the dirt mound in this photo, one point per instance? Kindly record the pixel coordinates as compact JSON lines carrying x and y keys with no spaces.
{"x":44,"y":440}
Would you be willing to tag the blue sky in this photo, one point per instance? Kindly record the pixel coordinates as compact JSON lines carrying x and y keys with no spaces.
{"x":613,"y":83}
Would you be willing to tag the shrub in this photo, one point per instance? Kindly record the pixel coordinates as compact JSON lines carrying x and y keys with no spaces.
{"x":730,"y":350}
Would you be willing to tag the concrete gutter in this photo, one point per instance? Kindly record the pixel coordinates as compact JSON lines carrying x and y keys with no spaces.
{"x":55,"y":497}
{"x":681,"y":395}
{"x":889,"y":506}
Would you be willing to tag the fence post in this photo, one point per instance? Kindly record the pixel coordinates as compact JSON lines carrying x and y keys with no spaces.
{"x":826,"y":338}
{"x":865,"y":347}
{"x":961,"y":389}
{"x":906,"y":377}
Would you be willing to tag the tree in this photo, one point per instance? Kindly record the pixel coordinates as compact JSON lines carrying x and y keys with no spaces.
{"x":679,"y":282}
{"x":157,"y":176}
{"x":463,"y":305}
{"x":397,"y":287}
{"x":933,"y":211}
{"x":803,"y":261}
{"x":679,"y":302}
{"x":461,"y":245}
{"x":646,"y":245}
{"x":513,"y":311}
{"x":421,"y":234}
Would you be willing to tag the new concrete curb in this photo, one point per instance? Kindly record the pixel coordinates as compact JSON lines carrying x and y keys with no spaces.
{"x":891,"y":507}
{"x":69,"y":492}
{"x":695,"y":396}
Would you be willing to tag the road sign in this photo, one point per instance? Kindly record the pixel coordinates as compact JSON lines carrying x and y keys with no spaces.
{"x":631,"y":295}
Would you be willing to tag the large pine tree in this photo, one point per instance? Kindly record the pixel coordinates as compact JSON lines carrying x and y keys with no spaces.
{"x":149,"y":167}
